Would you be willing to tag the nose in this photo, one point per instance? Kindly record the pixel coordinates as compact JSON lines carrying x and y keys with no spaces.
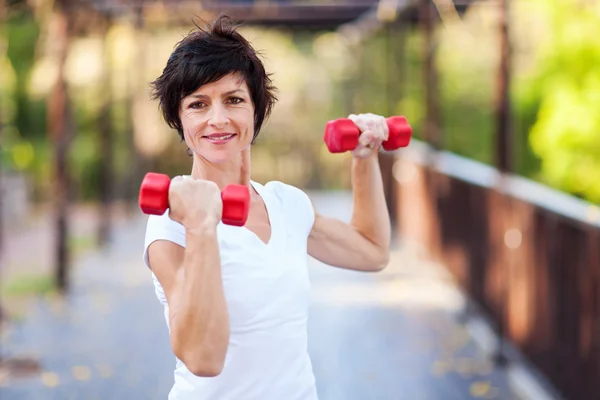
{"x":218,"y":117}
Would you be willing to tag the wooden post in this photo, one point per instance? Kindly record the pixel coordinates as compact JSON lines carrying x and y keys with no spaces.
{"x":431,"y":127}
{"x":503,"y":159}
{"x":393,"y":88}
{"x":1,"y":185}
{"x":2,"y":315}
{"x":2,"y":18}
{"x":106,"y":141}
{"x":60,"y":129}
{"x":387,"y":56}
{"x":140,"y":164}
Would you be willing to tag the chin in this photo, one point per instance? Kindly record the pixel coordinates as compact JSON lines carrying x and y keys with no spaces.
{"x":216,"y":156}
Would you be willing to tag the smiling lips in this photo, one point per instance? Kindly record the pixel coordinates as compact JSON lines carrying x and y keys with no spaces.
{"x":219,"y":138}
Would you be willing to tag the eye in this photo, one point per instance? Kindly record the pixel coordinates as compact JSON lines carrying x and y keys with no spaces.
{"x":196,"y":105}
{"x":236,"y":100}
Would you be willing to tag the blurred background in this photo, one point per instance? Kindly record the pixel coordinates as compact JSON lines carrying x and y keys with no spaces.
{"x":499,"y":187}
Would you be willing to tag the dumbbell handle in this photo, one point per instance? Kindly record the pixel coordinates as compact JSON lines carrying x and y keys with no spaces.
{"x":342,"y":134}
{"x":154,"y":199}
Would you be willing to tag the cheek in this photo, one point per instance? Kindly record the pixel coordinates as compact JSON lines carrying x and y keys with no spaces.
{"x":190,"y":124}
{"x":249,"y":120}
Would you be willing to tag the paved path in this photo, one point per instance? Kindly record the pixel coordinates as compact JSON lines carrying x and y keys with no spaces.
{"x":386,"y":336}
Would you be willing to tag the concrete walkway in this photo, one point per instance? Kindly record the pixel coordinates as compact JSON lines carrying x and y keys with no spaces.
{"x":387,"y":336}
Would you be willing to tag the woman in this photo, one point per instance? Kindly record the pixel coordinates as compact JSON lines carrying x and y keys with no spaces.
{"x":236,"y":298}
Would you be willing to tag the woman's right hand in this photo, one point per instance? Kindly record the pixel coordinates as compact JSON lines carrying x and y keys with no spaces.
{"x":195,"y":203}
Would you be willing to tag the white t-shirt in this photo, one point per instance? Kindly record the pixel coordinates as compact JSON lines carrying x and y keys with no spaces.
{"x":267,"y":292}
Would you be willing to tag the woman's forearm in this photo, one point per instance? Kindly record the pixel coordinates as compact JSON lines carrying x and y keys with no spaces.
{"x":370,"y":215}
{"x":199,"y":319}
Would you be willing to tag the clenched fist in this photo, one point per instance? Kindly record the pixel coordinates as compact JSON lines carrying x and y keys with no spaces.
{"x":195,"y":203}
{"x":373,"y":131}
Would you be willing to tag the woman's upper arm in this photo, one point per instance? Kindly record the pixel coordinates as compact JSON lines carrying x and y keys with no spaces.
{"x":320,"y":244}
{"x":165,"y":259}
{"x":164,"y":242}
{"x":337,"y":243}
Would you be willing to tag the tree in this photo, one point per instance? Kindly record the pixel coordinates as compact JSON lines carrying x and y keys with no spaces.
{"x":566,"y":84}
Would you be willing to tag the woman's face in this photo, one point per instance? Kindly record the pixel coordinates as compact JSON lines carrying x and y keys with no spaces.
{"x":218,"y":119}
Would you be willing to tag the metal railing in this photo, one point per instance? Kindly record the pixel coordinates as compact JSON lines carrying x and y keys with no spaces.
{"x":527,"y":254}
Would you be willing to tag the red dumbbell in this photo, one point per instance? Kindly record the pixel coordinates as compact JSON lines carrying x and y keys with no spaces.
{"x":342,"y":134}
{"x":154,"y":199}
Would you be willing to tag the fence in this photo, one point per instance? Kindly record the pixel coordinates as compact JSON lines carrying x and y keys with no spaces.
{"x":527,"y":254}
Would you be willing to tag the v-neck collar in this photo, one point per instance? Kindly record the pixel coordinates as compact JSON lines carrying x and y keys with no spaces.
{"x":270,"y":214}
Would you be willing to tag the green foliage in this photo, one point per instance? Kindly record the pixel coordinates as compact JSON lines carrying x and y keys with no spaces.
{"x":555,"y":95}
{"x":566,"y":83}
{"x":555,"y":90}
{"x":28,"y":285}
{"x":85,"y":165}
{"x":23,"y":119}
{"x":468,"y":60}
{"x":466,"y":63}
{"x":22,"y":33}
{"x":408,"y":94}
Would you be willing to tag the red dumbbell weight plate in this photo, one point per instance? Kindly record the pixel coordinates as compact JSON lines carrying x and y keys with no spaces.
{"x":236,"y":204}
{"x":400,"y":133}
{"x":154,"y":193}
{"x":341,"y":135}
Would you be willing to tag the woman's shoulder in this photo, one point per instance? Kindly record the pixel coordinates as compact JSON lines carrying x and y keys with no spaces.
{"x":163,"y":221}
{"x":295,"y":203}
{"x":285,"y":191}
{"x":163,"y":227}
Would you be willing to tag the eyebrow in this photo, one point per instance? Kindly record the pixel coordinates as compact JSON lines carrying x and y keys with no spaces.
{"x":199,"y":96}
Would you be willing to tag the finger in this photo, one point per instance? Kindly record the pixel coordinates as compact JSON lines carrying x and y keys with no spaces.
{"x":363,"y":153}
{"x":372,"y":141}
{"x":377,"y":124}
{"x":359,"y":121}
{"x":367,"y":138}
{"x":374,"y":127}
{"x":384,"y":128}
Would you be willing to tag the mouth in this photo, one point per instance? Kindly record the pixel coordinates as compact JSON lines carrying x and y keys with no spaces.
{"x":219,"y":138}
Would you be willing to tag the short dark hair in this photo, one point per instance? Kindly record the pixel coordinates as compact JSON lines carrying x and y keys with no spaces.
{"x":206,"y":55}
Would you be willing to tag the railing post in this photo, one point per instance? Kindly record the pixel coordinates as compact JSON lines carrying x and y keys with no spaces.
{"x":105,"y":139}
{"x":431,"y":124}
{"x":2,"y":196}
{"x":431,"y":127}
{"x":61,"y":129}
{"x":503,"y":159}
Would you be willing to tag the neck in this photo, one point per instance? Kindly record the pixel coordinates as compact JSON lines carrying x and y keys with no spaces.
{"x":235,"y":171}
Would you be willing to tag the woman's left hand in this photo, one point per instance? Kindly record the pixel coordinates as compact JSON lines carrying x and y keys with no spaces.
{"x":373,"y":131}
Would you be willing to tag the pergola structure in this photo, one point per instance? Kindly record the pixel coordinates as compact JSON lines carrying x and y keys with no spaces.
{"x":358,"y":19}
{"x":298,"y":14}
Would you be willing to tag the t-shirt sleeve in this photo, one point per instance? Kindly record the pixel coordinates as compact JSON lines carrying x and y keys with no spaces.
{"x":161,"y":227}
